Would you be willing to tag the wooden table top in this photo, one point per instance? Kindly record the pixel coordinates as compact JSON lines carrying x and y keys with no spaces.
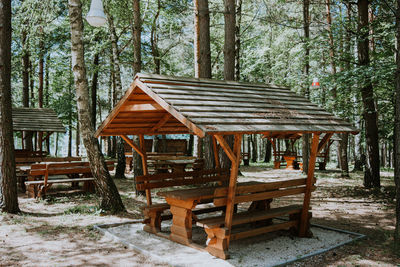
{"x":190,"y":194}
{"x":197,"y":193}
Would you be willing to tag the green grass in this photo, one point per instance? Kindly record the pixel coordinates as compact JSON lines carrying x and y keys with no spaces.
{"x":83,"y":209}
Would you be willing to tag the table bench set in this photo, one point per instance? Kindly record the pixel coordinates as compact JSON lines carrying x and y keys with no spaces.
{"x":183,"y":205}
{"x":41,"y":176}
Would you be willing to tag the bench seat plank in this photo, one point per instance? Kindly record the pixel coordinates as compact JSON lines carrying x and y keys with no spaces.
{"x":58,"y":181}
{"x":249,"y":216}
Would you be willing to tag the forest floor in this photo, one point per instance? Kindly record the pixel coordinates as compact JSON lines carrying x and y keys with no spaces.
{"x":59,"y":231}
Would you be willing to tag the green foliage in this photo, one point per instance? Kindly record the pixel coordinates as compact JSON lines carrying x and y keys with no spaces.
{"x":272,"y":50}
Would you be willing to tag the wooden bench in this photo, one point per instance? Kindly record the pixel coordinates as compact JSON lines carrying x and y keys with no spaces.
{"x":259,"y":214}
{"x":153,"y":212}
{"x":43,"y":175}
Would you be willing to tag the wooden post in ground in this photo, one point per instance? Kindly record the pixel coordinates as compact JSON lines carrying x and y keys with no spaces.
{"x":304,"y":218}
{"x":144,"y":164}
{"x":142,"y":152}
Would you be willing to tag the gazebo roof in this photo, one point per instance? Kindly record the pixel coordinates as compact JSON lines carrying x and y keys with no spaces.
{"x":36,"y":120}
{"x":156,"y":104}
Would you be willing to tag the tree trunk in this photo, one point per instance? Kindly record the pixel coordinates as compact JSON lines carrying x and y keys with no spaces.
{"x":120,"y":149}
{"x":154,"y":41}
{"x":137,"y":165}
{"x":25,"y":86}
{"x":8,"y":178}
{"x":268,"y":147}
{"x":110,"y":198}
{"x":77,"y":140}
{"x":32,"y":84}
{"x":397,"y":133}
{"x":237,"y":37}
{"x":254,"y":148}
{"x":136,"y":33}
{"x":94,"y":88}
{"x":229,"y":61}
{"x":203,"y":64}
{"x":371,"y":173}
{"x":306,"y":89}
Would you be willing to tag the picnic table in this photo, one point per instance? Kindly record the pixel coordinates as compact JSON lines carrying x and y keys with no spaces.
{"x":176,"y":165}
{"x":182,"y":203}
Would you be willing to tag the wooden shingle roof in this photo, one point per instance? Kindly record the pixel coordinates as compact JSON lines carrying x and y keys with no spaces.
{"x":157,"y":104}
{"x":36,"y":120}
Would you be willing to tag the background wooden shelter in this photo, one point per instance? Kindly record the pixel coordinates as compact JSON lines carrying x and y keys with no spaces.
{"x":157,"y":104}
{"x":41,"y":120}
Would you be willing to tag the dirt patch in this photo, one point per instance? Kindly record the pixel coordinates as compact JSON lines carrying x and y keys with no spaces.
{"x":59,"y":231}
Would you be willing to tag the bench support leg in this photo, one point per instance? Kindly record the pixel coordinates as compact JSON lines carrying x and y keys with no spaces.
{"x":154,"y":224}
{"x":217,"y":242}
{"x":295,"y":230}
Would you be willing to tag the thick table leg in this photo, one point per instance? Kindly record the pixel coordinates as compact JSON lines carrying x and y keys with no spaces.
{"x":181,"y":229}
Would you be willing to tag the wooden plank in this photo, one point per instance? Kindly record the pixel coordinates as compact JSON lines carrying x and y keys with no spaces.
{"x":144,"y":165}
{"x":183,"y":175}
{"x":161,"y":123}
{"x":226,"y":147}
{"x":232,"y":183}
{"x":324,"y":142}
{"x":275,"y":121}
{"x":192,"y":127}
{"x":216,"y":152}
{"x":58,"y":181}
{"x":263,"y":230}
{"x":310,"y":176}
{"x":133,"y":145}
{"x":250,"y":216}
{"x":179,"y":182}
{"x":141,"y":107}
{"x":261,"y":196}
{"x":259,"y":115}
{"x":259,"y":187}
{"x":133,"y":88}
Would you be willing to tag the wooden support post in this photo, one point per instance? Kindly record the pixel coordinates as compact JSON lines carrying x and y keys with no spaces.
{"x":144,"y":164}
{"x":304,"y":219}
{"x":216,"y":154}
{"x":141,"y":150}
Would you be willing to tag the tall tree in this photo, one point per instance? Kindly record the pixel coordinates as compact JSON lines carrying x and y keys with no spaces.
{"x":397,"y":132}
{"x":94,"y":87}
{"x":371,"y":174}
{"x":306,"y":71}
{"x":110,"y":198}
{"x":203,"y":63}
{"x":137,"y":67}
{"x":229,"y":59}
{"x":121,"y":165}
{"x":8,"y":179}
{"x":25,"y":80}
{"x":154,"y":40}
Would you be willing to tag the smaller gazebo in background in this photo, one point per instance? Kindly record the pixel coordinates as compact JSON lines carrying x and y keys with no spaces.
{"x":43,"y":121}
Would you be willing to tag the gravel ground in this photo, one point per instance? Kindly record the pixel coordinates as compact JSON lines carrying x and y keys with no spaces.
{"x":264,"y":250}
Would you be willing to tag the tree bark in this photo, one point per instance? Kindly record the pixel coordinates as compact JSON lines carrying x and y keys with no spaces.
{"x":237,"y":37}
{"x":110,"y":198}
{"x":306,"y":89}
{"x":154,"y":41}
{"x":203,"y":64}
{"x":136,"y":33}
{"x":229,"y":60}
{"x":25,"y":85}
{"x":268,"y":147}
{"x":371,"y":173}
{"x":121,"y":164}
{"x":8,"y":179}
{"x":94,"y":88}
{"x":137,"y":165}
{"x":397,"y":133}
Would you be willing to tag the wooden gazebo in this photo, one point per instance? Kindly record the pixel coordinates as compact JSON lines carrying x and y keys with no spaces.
{"x":170,"y":105}
{"x":41,"y":120}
